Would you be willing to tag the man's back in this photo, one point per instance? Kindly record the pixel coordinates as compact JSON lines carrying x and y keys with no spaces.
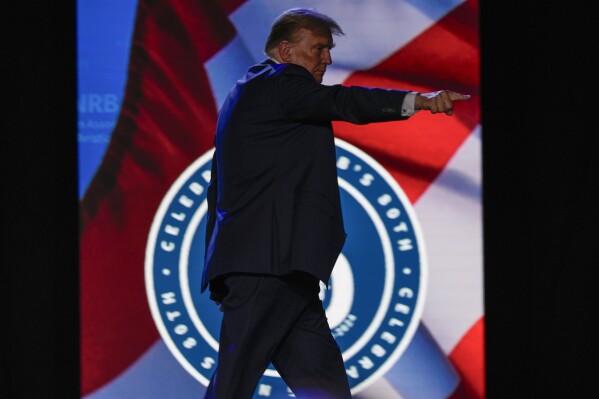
{"x":277,"y":207}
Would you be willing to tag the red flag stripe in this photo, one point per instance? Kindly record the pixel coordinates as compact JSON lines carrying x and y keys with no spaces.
{"x":468,"y":357}
{"x":167,"y":120}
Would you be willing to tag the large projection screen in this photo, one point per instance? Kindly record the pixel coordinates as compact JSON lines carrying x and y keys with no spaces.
{"x":406,"y":297}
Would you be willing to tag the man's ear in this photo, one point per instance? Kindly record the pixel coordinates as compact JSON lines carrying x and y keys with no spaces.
{"x":286,"y":51}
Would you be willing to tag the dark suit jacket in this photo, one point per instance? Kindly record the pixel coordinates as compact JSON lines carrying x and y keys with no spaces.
{"x":273,"y":202}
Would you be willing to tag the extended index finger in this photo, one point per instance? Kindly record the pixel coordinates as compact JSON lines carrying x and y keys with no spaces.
{"x":458,"y":96}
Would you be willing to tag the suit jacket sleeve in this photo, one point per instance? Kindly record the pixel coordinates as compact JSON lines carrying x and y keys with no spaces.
{"x":303,"y":99}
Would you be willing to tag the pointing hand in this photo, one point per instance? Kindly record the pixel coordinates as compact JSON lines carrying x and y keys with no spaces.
{"x":438,"y":101}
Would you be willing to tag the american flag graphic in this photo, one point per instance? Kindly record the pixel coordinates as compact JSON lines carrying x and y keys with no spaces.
{"x":184,"y":56}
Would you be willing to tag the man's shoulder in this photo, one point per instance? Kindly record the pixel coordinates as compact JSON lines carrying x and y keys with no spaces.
{"x":269,"y":68}
{"x":293,"y":69}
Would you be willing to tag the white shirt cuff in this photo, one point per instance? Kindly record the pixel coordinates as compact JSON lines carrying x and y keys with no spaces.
{"x":407,"y":108}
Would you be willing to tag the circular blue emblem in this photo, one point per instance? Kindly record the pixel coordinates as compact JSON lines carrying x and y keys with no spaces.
{"x":375,"y":296}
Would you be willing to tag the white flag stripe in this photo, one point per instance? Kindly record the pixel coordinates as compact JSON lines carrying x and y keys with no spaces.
{"x":374,"y":29}
{"x":226,"y":67}
{"x":377,"y":390}
{"x":450,"y":214}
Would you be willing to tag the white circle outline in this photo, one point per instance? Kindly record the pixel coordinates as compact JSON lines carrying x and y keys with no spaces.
{"x":190,"y":170}
{"x":342,"y":292}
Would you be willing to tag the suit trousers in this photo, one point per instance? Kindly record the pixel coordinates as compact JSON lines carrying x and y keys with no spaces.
{"x":278,"y":320}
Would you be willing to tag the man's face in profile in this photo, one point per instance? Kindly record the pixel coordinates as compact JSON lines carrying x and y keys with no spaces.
{"x":312,"y":51}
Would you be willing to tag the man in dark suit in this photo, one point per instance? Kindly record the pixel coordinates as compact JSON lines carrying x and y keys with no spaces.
{"x":275,"y":227}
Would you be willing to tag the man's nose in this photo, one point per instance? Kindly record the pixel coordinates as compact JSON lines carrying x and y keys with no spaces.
{"x":326,"y":57}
